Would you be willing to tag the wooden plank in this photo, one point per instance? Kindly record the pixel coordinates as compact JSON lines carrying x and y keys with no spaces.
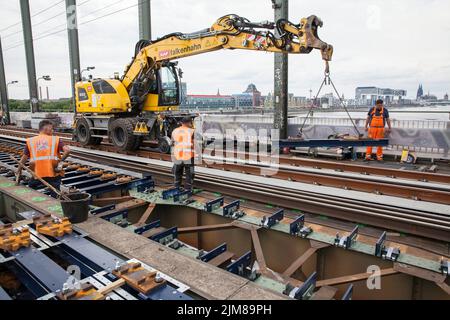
{"x":353,"y":278}
{"x":221,"y":258}
{"x":111,"y":287}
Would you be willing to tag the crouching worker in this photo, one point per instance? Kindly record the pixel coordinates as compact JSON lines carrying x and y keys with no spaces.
{"x":183,"y":154}
{"x":45,"y":152}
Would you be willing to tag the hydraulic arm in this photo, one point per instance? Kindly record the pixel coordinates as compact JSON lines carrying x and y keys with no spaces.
{"x":229,"y":32}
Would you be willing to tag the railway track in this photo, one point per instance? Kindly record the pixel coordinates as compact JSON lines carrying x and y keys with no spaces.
{"x":412,"y":221}
{"x":420,"y":222}
{"x":431,"y":187}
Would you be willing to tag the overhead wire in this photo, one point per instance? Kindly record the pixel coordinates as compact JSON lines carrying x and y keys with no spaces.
{"x":45,"y":35}
{"x":34,"y":15}
{"x":46,"y":20}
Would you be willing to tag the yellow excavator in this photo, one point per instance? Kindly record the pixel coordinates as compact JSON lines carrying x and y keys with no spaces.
{"x":144,"y":103}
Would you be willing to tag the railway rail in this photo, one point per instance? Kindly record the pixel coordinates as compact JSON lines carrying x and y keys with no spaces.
{"x":420,"y":222}
{"x":438,"y":192}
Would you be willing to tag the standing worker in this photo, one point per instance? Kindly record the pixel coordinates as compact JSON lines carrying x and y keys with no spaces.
{"x":377,"y":118}
{"x":44,"y":152}
{"x":183,"y":153}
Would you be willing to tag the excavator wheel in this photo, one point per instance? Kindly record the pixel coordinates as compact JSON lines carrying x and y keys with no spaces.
{"x":84,"y":135}
{"x":121,"y":134}
{"x":164,"y":145}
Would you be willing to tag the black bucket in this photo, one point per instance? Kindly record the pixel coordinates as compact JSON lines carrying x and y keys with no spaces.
{"x":77,"y":210}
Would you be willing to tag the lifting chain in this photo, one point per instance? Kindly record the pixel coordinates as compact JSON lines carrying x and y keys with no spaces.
{"x":326,"y":82}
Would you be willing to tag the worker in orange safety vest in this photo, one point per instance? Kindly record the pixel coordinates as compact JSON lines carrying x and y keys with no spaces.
{"x":183,"y":154}
{"x":377,"y":118}
{"x":45,"y":152}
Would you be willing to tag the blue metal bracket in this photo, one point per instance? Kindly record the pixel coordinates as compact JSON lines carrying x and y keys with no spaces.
{"x":147,"y":185}
{"x":346,"y":242}
{"x":297,"y":228}
{"x":103,"y":209}
{"x":116,"y":216}
{"x":348,"y":293}
{"x":205,"y":257}
{"x":182,"y":196}
{"x":269,"y":222}
{"x":167,"y":194}
{"x":232,"y":210}
{"x":386,"y":253}
{"x":445,"y":266}
{"x":215,"y":204}
{"x":166,"y":236}
{"x":240,"y":265}
{"x":149,"y":226}
{"x":305,"y":291}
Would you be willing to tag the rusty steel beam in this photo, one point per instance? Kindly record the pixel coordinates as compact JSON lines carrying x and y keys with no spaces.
{"x":298,"y":263}
{"x":207,"y":228}
{"x":258,"y":249}
{"x":353,"y":278}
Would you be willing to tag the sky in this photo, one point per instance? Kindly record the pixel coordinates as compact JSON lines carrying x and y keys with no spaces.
{"x":390,"y":44}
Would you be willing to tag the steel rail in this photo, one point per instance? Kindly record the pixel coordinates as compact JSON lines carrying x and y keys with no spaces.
{"x":286,"y":160}
{"x":420,"y":223}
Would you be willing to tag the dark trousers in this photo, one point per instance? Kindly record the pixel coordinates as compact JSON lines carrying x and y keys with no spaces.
{"x":54,"y":182}
{"x":189,"y":170}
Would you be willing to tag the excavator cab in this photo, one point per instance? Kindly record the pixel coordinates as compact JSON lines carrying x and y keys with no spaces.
{"x":164,"y":90}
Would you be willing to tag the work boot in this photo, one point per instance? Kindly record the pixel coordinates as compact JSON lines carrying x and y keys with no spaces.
{"x":367,"y":159}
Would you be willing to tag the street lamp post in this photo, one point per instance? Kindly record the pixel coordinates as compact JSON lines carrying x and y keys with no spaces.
{"x":6,"y":119}
{"x":45,"y":78}
{"x":8,"y":84}
{"x":85,"y":70}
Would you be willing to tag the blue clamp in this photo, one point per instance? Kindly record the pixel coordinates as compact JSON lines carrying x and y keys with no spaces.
{"x":146,"y":185}
{"x":348,"y":295}
{"x":347,"y":241}
{"x":215,"y":204}
{"x":182,"y":196}
{"x":167,"y":194}
{"x":103,"y":209}
{"x":297,"y":228}
{"x":232,"y":210}
{"x":269,"y":222}
{"x":166,"y":237}
{"x":445,"y":266}
{"x":305,"y":291}
{"x":208,"y":256}
{"x":149,"y":226}
{"x":386,"y":253}
{"x":119,"y":217}
{"x":240,"y":265}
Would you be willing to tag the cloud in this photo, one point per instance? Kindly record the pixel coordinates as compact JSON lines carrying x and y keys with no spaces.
{"x":385,"y":43}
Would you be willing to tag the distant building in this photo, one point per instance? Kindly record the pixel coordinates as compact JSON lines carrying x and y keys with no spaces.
{"x":446,"y":97}
{"x":205,"y":101}
{"x":256,"y":95}
{"x":369,"y":95}
{"x":429,"y":97}
{"x":250,"y":98}
{"x":420,"y":92}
